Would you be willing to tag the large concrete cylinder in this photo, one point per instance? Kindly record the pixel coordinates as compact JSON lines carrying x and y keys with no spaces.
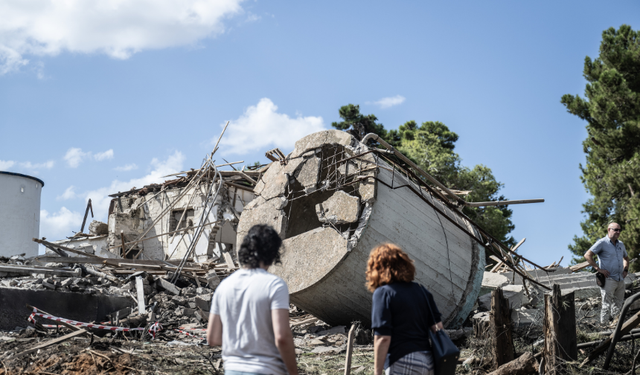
{"x":19,"y":213}
{"x":334,"y":199}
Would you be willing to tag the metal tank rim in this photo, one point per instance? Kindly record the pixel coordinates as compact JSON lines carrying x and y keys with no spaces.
{"x":23,"y":175}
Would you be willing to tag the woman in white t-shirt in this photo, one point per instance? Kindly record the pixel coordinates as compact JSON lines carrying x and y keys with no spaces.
{"x":250,"y":311}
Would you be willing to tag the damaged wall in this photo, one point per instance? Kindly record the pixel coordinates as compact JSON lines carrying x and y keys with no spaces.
{"x":332,"y":201}
{"x":169,"y":211}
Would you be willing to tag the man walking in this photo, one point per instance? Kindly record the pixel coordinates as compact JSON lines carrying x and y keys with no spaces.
{"x":614,"y":265}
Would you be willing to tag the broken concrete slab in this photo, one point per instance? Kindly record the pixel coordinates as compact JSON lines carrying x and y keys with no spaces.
{"x":524,"y":317}
{"x":515,"y":294}
{"x":340,"y":208}
{"x":492,"y":281}
{"x":204,"y":302}
{"x":323,"y":249}
{"x":165,"y":285}
{"x":98,"y":228}
{"x":309,"y":174}
{"x":213,"y":280}
{"x":316,"y":140}
{"x":269,"y":213}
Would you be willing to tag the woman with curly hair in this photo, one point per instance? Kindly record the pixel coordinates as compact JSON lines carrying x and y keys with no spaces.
{"x":400,"y":316}
{"x":250,"y":311}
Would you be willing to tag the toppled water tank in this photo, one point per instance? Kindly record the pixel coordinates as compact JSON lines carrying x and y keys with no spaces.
{"x":19,"y":213}
{"x":334,"y":199}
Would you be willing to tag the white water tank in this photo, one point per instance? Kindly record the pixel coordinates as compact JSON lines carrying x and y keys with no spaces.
{"x":19,"y":213}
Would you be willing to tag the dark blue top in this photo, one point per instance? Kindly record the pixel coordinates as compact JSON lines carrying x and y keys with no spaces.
{"x":400,"y":310}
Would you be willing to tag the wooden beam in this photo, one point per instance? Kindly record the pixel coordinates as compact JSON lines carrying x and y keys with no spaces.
{"x":500,"y":329}
{"x":560,"y":339}
{"x":45,"y":270}
{"x":626,"y":328}
{"x":579,"y":266}
{"x":47,"y":243}
{"x":51,"y":342}
{"x":350,"y":339}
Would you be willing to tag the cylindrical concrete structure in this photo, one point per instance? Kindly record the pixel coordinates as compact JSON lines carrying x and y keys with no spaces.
{"x":19,"y":213}
{"x":332,"y":200}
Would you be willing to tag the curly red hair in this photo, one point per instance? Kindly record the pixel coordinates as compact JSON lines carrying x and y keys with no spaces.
{"x":387,"y":264}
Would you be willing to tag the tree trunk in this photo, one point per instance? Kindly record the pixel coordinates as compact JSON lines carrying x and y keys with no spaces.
{"x":500,"y":329}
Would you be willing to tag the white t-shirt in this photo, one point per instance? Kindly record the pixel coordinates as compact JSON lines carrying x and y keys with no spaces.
{"x":244,"y":301}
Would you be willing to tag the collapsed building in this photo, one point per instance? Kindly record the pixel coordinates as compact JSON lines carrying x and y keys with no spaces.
{"x":197,"y":212}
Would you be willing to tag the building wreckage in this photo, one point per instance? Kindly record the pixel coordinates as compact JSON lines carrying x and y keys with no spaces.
{"x":332,"y":200}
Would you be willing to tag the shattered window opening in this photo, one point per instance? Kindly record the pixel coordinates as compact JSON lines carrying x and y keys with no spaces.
{"x":187,"y":220}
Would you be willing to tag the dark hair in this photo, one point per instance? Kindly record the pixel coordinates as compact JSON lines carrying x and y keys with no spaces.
{"x":261,"y":244}
{"x":387,"y":264}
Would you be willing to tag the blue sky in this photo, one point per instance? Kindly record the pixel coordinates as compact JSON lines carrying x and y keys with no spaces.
{"x":100,"y":96}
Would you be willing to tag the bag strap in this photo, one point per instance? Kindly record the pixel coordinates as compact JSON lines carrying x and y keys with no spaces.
{"x":426,"y":297}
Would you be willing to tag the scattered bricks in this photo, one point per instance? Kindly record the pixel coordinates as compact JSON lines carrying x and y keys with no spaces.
{"x":340,"y":208}
{"x":191,"y":305}
{"x":165,"y":285}
{"x":212,"y":279}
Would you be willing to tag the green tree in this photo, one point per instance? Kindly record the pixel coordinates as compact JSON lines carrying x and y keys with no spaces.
{"x":431,"y":146}
{"x":611,"y":108}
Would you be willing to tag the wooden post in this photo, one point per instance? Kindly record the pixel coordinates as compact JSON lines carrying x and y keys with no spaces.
{"x":350,"y":339}
{"x":86,"y":212}
{"x":560,"y":340}
{"x":500,"y":329}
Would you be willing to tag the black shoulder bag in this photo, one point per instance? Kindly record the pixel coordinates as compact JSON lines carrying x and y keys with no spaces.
{"x":445,"y":352}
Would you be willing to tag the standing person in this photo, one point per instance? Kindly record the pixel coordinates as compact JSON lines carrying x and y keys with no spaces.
{"x":250,"y":311}
{"x":400,"y":316}
{"x":614,"y":265}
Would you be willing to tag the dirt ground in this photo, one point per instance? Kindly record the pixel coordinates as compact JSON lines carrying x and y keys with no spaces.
{"x":166,"y":355}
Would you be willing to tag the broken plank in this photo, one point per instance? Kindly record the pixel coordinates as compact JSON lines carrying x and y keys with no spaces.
{"x":47,"y":243}
{"x":132,"y":265}
{"x":579,"y":266}
{"x":70,"y":260}
{"x":45,"y":270}
{"x":628,"y":325}
{"x":51,"y":342}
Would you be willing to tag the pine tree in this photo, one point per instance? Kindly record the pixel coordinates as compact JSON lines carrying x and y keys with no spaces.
{"x":611,"y":108}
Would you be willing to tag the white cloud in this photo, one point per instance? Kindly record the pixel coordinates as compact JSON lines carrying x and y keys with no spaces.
{"x":100,"y":197}
{"x":126,"y":168}
{"x":62,"y":223}
{"x":68,"y":194}
{"x":6,"y":164}
{"x":261,"y":128}
{"x":29,"y":165}
{"x":59,"y":224}
{"x":117,"y":28}
{"x":389,"y":101}
{"x":74,"y":156}
{"x":104,"y":155}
